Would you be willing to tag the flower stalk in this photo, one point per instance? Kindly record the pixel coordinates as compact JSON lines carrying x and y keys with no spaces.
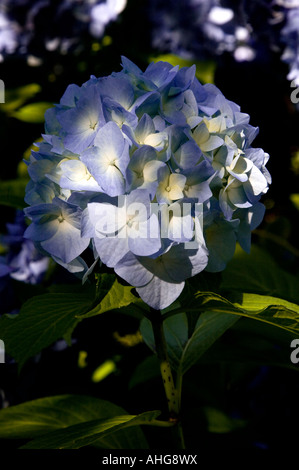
{"x":171,"y":392}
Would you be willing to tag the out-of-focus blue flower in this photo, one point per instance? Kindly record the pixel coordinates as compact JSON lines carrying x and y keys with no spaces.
{"x":8,"y":36}
{"x":152,"y":170}
{"x":248,"y":30}
{"x":290,"y":36}
{"x":102,"y":13}
{"x":201,"y":28}
{"x":22,"y":261}
{"x":33,"y":27}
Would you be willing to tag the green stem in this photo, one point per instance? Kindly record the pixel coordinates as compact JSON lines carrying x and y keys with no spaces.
{"x":161,"y":350}
{"x":172,"y":393}
{"x":179,"y":380}
{"x":180,"y":434}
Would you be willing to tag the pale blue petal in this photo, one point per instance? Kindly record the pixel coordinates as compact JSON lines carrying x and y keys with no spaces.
{"x":159,"y":294}
{"x":149,"y":103}
{"x":87,"y":227}
{"x":181,"y":228}
{"x":211,"y":144}
{"x":131,"y":270}
{"x":183,"y":79}
{"x":80,"y":124}
{"x":40,"y":210}
{"x":257,"y":183}
{"x":40,"y":232}
{"x":144,"y":128}
{"x":113,"y":182}
{"x":161,"y":73}
{"x":146,"y":240}
{"x":78,"y":265}
{"x":118,"y":89}
{"x":67,"y":243}
{"x":188,"y":155}
{"x":70,"y":96}
{"x":112,"y":249}
{"x":107,"y":162}
{"x":129,"y":66}
{"x":181,"y":263}
{"x":39,"y":193}
{"x":250,"y":219}
{"x":114,"y":112}
{"x":105,"y":218}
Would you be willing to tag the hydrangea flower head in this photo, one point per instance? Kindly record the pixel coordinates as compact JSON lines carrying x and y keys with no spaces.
{"x":152,"y":171}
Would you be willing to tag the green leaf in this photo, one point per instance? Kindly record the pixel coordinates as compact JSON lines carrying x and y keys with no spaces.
{"x":89,"y":432}
{"x":42,"y":416}
{"x":256,"y":303}
{"x":18,"y":96}
{"x":147,"y":370}
{"x":295,"y":200}
{"x":184,"y":351}
{"x":38,"y":417}
{"x":33,"y":112}
{"x":103,"y":370}
{"x":258,"y":273}
{"x":210,"y":327}
{"x":12,"y":193}
{"x":42,"y":320}
{"x":219,"y":422}
{"x":272,"y":310}
{"x":255,"y":343}
{"x":118,"y":296}
{"x":104,"y":282}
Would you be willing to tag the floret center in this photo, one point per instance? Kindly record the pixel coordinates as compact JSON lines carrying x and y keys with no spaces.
{"x":93,"y":126}
{"x":139,"y":174}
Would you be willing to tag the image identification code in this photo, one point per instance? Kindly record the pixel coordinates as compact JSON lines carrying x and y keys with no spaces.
{"x":157,"y":459}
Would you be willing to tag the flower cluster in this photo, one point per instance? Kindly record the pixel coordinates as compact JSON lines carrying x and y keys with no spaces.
{"x":248,"y":30}
{"x":200,"y":28}
{"x":22,"y":261}
{"x":30,"y":27}
{"x":152,"y":170}
{"x":194,"y":29}
{"x":290,"y":36}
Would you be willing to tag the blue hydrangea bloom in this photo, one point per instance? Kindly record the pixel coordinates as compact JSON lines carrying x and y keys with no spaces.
{"x":22,"y":261}
{"x":153,"y":172}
